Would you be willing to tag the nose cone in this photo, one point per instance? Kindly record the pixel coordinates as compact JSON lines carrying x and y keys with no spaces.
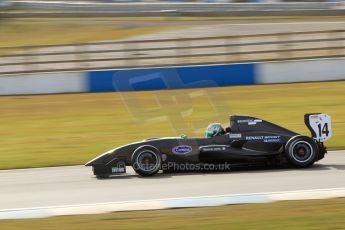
{"x":102,"y":159}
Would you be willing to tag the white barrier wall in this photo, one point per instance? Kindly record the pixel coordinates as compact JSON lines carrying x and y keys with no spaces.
{"x":174,"y":77}
{"x":43,"y":83}
{"x":301,"y":71}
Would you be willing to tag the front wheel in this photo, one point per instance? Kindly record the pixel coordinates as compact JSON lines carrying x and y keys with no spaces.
{"x":301,"y":151}
{"x":146,"y":161}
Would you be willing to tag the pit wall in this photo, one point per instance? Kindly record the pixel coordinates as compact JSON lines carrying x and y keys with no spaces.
{"x":174,"y":77}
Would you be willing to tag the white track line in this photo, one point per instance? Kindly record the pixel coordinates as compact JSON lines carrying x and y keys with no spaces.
{"x":155,"y":204}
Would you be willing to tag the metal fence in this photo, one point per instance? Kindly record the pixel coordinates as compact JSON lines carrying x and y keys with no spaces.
{"x":68,"y":8}
{"x":166,"y":52}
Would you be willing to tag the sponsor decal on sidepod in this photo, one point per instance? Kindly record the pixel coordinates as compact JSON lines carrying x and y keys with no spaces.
{"x":235,"y":135}
{"x":182,"y":149}
{"x":266,"y":139}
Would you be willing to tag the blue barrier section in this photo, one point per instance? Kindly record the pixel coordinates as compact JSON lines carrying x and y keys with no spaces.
{"x":171,"y":77}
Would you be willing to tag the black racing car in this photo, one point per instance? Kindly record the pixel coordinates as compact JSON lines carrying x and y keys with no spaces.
{"x":248,"y":141}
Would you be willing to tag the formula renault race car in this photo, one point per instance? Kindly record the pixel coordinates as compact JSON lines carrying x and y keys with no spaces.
{"x":247,"y":141}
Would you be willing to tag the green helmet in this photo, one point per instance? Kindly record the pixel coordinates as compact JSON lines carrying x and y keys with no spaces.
{"x":214,"y":129}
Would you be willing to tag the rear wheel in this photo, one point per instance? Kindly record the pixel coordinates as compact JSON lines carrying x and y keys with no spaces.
{"x":146,"y":161}
{"x":301,"y":151}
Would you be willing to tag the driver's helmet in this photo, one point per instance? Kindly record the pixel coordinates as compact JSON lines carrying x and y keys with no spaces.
{"x":214,"y":129}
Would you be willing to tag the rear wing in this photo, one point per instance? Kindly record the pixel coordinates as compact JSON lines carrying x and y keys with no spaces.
{"x":319,"y":125}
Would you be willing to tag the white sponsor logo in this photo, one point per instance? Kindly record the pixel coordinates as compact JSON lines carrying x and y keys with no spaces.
{"x":254,"y":138}
{"x":265,"y":138}
{"x":216,"y":148}
{"x":117,"y":170}
{"x":249,"y":121}
{"x":235,"y":135}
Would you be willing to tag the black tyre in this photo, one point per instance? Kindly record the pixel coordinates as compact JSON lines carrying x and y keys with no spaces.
{"x":146,"y":161}
{"x":301,"y":151}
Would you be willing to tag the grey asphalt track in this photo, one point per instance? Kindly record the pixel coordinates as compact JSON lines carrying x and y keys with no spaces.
{"x":26,"y":188}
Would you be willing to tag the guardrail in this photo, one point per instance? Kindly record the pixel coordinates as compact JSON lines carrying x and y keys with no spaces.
{"x":167,"y":52}
{"x":94,"y":6}
{"x":103,"y":9}
{"x":5,"y":4}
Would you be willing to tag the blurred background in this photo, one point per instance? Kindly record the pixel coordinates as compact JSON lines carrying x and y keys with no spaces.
{"x":49,"y":47}
{"x":78,"y":78}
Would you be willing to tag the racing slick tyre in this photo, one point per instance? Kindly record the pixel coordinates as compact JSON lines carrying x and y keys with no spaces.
{"x":146,"y":161}
{"x":301,"y":151}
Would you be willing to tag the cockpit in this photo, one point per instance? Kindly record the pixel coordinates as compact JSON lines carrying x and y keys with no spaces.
{"x":215,"y":129}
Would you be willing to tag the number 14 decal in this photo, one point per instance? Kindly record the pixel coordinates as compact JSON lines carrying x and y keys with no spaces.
{"x":324,"y":129}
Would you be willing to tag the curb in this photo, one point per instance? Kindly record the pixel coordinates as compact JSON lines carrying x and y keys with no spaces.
{"x":156,"y":204}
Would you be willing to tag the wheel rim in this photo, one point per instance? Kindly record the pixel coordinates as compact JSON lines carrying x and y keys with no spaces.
{"x":302,"y":151}
{"x":147,"y":161}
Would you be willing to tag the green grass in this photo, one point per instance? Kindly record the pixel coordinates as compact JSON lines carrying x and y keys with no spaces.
{"x":69,"y":129}
{"x":53,"y":32}
{"x":288,"y":215}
